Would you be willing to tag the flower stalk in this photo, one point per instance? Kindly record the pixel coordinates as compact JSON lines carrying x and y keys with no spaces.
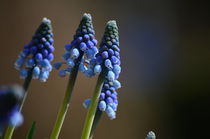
{"x":80,"y":50}
{"x":93,"y":107}
{"x":95,"y":122}
{"x":66,"y":102}
{"x":10,"y":129}
{"x":34,"y":61}
{"x":107,"y":65}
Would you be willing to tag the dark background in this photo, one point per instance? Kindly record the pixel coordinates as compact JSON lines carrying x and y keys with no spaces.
{"x":165,"y":51}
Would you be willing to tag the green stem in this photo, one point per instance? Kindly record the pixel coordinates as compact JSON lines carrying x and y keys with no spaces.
{"x":95,"y":122}
{"x":10,"y":129}
{"x":66,"y":102}
{"x":92,"y":109}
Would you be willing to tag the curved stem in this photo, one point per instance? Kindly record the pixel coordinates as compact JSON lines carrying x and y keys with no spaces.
{"x":92,"y":109}
{"x":66,"y":101}
{"x":10,"y":129}
{"x":95,"y":122}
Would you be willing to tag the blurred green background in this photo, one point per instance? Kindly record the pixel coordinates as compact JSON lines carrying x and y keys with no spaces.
{"x":165,"y":52}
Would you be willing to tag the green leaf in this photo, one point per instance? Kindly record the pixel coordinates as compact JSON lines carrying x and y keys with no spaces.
{"x":31,"y":131}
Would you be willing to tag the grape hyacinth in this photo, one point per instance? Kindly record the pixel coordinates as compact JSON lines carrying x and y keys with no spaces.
{"x":84,"y":43}
{"x":108,"y":59}
{"x":10,"y":99}
{"x":38,"y":54}
{"x":81,"y":50}
{"x":34,"y":60}
{"x":106,"y":64}
{"x":151,"y":135}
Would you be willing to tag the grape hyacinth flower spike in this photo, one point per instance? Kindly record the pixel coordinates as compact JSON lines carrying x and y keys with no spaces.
{"x":80,"y":51}
{"x":107,"y":65}
{"x":151,"y":135}
{"x":34,"y":60}
{"x":10,"y":100}
{"x":37,"y":54}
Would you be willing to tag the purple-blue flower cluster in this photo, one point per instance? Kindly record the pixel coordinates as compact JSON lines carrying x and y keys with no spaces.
{"x":10,"y":99}
{"x":151,"y":135}
{"x":38,"y":54}
{"x":107,"y":61}
{"x":81,"y":50}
